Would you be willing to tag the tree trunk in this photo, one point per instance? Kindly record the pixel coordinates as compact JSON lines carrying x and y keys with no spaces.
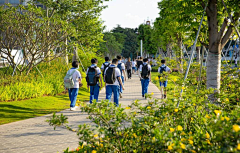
{"x":214,"y":68}
{"x":198,"y":49}
{"x":75,"y":55}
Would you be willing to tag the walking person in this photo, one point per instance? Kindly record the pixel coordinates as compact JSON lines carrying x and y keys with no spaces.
{"x":112,"y":77}
{"x":161,"y":70}
{"x":129,"y":68}
{"x":93,"y":76}
{"x":139,"y":62}
{"x":71,"y":82}
{"x":121,"y":67}
{"x":133,"y":66}
{"x":145,"y":76}
{"x":105,"y":65}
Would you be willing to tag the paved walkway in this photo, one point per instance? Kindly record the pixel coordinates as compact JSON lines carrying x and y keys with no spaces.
{"x":36,"y":136}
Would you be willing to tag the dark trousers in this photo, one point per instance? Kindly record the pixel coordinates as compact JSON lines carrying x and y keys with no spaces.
{"x":129,"y":72}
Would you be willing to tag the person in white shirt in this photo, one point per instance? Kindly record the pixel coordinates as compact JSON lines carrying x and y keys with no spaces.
{"x":145,"y":76}
{"x":121,"y":66}
{"x":113,"y":86}
{"x":161,"y":71}
{"x":134,"y":66}
{"x":93,"y":76}
{"x":73,"y":92}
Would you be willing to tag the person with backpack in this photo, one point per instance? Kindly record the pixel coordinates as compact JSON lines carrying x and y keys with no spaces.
{"x":93,"y":76}
{"x":105,"y":65}
{"x":145,"y":76}
{"x":161,"y":70}
{"x":129,"y":68}
{"x":71,"y":82}
{"x":121,"y":67}
{"x":112,"y":77}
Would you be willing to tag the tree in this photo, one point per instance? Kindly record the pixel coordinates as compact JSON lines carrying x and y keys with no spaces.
{"x":219,"y":28}
{"x":29,"y":31}
{"x":111,"y":47}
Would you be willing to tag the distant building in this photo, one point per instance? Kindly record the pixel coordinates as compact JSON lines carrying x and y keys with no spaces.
{"x":18,"y":2}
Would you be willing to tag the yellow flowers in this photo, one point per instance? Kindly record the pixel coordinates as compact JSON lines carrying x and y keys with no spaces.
{"x":170,"y":147}
{"x":94,"y":151}
{"x":135,"y":113}
{"x":179,"y":128}
{"x":193,"y":151}
{"x":190,"y":142}
{"x":183,"y":87}
{"x":192,"y":119}
{"x":128,"y":107}
{"x":227,"y":100}
{"x":207,"y":136}
{"x":238,"y":146}
{"x":134,"y":135}
{"x":207,"y":116}
{"x":225,"y":118}
{"x":208,"y":141}
{"x":174,"y":80}
{"x":176,"y":110}
{"x":182,"y":146}
{"x":236,"y":128}
{"x":101,"y":145}
{"x":148,"y":107}
{"x":95,"y":136}
{"x":156,"y":78}
{"x":152,"y":93}
{"x":172,"y":129}
{"x":154,"y":139}
{"x":217,"y":112}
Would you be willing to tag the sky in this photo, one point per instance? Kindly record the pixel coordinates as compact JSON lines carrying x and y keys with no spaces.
{"x":129,"y":13}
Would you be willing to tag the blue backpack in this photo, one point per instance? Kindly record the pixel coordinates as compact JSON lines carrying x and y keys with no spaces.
{"x":120,"y":67}
{"x":163,"y":68}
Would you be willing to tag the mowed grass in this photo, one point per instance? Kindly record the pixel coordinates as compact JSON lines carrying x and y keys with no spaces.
{"x":20,"y":110}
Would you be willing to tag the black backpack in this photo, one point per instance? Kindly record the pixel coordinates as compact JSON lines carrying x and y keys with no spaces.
{"x":105,"y":66}
{"x":162,"y":69}
{"x":145,"y":72}
{"x":110,"y":77}
{"x":92,"y":77}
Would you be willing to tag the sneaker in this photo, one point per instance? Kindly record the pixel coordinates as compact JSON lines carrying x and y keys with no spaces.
{"x":72,"y":108}
{"x":142,"y":95}
{"x":165,"y":96}
{"x":120,"y":95}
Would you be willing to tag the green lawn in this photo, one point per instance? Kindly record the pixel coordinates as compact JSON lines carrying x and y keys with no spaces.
{"x":20,"y":110}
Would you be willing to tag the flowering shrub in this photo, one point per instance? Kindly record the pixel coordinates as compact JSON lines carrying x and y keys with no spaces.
{"x":197,"y":125}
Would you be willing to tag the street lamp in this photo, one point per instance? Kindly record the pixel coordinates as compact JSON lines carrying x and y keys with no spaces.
{"x":141,"y":42}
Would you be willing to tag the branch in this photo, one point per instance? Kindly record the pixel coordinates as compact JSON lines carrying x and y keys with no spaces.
{"x":227,"y":35}
{"x":224,"y":25}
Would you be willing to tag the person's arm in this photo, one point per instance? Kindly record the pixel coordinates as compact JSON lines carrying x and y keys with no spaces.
{"x":123,"y":69}
{"x":120,"y":81}
{"x":139,"y":72}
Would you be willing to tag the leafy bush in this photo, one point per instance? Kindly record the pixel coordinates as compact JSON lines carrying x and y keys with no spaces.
{"x":22,"y":87}
{"x":197,"y":125}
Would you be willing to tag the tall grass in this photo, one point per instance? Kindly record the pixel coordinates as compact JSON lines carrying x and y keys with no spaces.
{"x":34,"y":85}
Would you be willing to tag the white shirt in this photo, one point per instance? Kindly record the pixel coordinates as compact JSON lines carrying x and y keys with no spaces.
{"x":133,"y":64}
{"x":106,"y":63}
{"x":122,"y":65}
{"x":167,"y":68}
{"x":98,"y":69}
{"x":76,"y":77}
{"x":117,"y":75}
{"x":141,"y":66}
